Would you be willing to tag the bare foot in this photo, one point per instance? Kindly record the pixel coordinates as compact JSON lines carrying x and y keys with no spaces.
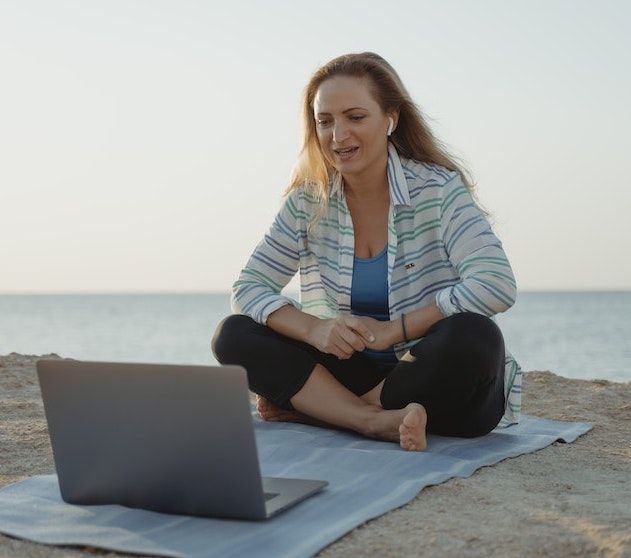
{"x":273,"y":413}
{"x":406,"y":426}
{"x":412,"y":435}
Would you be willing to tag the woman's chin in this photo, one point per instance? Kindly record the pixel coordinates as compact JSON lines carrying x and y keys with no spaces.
{"x":349,"y":167}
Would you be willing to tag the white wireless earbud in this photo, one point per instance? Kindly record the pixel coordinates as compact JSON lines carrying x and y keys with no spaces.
{"x":391,"y":125}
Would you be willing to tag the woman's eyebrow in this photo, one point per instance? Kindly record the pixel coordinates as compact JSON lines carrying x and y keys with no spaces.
{"x":343,"y":112}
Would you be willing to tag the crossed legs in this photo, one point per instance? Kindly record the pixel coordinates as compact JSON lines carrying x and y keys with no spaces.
{"x":294,"y":381}
{"x":323,"y":401}
{"x":324,"y":398}
{"x":268,"y":411}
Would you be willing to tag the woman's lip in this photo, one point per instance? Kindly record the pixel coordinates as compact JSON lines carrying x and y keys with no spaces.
{"x":346,"y":155}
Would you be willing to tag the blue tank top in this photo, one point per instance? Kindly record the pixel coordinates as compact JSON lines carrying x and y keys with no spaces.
{"x":369,"y":296}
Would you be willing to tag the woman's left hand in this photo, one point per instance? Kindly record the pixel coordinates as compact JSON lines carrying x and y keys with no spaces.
{"x":384,"y":332}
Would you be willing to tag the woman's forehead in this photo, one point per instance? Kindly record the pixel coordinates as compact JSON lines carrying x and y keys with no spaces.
{"x":341,"y":93}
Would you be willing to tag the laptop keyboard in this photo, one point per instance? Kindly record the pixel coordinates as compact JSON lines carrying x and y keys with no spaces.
{"x":270,"y":495}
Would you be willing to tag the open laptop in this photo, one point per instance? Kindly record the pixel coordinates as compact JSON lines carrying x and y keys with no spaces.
{"x":168,"y":438}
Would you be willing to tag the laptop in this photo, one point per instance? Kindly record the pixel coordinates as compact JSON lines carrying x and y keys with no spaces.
{"x":167,"y":438}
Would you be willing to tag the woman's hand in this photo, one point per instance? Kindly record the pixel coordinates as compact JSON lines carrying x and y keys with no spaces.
{"x":341,"y":336}
{"x":386,"y":333}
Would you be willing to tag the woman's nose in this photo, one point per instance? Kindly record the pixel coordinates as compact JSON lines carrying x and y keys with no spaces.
{"x":340,"y":132}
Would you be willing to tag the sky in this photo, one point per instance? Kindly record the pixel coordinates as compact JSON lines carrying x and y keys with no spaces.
{"x":145,"y":145}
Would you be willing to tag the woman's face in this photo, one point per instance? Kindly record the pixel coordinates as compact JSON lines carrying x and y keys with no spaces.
{"x":351,"y":127}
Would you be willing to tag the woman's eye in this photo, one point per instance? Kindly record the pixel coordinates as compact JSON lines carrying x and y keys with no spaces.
{"x":322,"y":122}
{"x":357,"y":117}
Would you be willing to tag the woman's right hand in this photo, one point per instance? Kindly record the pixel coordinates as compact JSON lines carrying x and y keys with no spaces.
{"x":340,"y":336}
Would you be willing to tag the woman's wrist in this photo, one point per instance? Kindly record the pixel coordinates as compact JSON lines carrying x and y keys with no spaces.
{"x":309,"y":325}
{"x":294,"y":323}
{"x":396,"y":331}
{"x":415,"y":324}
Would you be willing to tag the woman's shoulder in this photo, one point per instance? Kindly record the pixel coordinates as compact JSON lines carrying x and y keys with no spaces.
{"x":301,"y":202}
{"x":302,"y":196}
{"x":426,"y":172}
{"x":426,"y":181}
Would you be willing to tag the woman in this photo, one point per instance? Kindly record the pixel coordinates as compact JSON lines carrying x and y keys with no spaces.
{"x":399,"y":273}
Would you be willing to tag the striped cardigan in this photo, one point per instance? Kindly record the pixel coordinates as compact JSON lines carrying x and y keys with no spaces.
{"x":440,"y":249}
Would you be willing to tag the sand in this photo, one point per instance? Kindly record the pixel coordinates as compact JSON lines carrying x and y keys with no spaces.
{"x":565,"y":500}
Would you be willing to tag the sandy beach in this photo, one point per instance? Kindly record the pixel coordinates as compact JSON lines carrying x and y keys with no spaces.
{"x":565,"y":500}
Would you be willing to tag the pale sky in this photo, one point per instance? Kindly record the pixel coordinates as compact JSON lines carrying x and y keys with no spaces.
{"x":145,"y":145}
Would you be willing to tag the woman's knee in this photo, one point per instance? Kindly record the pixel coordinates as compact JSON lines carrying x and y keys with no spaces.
{"x":482,"y":425}
{"x":227,"y":341}
{"x":477,"y":430}
{"x":474,"y":340}
{"x":471,"y":424}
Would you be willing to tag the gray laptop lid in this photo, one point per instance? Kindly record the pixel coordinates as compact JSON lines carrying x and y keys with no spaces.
{"x":174,"y":439}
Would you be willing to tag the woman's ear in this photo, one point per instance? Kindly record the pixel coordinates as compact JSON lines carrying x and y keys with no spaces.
{"x":393,"y":120}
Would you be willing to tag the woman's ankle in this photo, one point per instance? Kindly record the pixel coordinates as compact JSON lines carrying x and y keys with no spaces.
{"x":372,"y":424}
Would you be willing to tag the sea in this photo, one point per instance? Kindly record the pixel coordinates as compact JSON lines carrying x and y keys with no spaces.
{"x":574,"y":334}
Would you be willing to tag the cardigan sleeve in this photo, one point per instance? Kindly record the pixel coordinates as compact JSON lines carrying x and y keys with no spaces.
{"x":271,"y":266}
{"x":487,"y":283}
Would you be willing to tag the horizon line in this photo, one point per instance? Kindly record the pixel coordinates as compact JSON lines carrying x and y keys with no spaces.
{"x":227,"y":292}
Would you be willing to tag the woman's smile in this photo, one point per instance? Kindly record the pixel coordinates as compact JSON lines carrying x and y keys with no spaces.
{"x":346,"y":153}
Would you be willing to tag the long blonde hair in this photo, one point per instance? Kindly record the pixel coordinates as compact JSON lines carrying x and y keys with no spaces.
{"x":412,"y":137}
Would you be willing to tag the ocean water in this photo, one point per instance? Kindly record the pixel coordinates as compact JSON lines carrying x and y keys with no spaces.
{"x":577,"y":335}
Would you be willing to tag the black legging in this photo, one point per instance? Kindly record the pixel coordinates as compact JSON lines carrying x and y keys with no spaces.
{"x":456,"y":371}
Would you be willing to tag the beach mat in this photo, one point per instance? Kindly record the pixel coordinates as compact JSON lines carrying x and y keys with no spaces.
{"x":367,"y":478}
